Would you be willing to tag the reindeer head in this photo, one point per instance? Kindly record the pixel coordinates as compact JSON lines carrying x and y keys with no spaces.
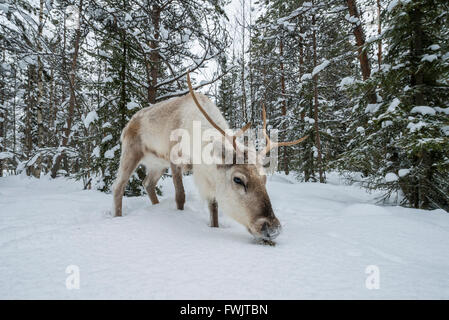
{"x":241,"y":194}
{"x":241,"y":184}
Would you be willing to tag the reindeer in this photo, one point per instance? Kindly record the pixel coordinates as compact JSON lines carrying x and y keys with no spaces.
{"x":237,"y":188}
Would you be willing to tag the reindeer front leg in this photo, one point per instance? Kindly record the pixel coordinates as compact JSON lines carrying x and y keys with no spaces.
{"x":213,"y":209}
{"x":179,"y":187}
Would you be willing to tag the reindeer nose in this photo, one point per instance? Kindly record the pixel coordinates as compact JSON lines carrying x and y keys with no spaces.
{"x":270,"y":232}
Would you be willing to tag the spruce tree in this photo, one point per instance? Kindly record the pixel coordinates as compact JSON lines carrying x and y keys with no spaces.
{"x":401,"y":142}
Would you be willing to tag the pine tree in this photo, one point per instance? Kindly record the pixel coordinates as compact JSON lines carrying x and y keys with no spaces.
{"x":403,"y":146}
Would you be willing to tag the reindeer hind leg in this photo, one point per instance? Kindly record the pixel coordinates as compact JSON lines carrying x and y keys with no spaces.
{"x":128,"y":163}
{"x":150,"y":183}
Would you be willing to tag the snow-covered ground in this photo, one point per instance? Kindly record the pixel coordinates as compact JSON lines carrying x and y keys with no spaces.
{"x":332,"y":236}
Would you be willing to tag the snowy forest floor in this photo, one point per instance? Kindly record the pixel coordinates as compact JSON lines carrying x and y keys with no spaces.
{"x":331,"y":234}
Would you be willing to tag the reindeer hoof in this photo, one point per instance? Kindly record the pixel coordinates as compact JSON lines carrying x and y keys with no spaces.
{"x":264,"y":242}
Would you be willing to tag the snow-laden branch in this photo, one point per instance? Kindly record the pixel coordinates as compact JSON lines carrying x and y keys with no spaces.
{"x":183,"y":92}
{"x":320,"y":67}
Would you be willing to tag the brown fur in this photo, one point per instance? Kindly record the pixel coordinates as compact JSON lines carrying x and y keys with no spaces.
{"x":150,"y":182}
{"x":213,"y":209}
{"x":132,"y":129}
{"x":147,"y":150}
{"x":179,"y":187}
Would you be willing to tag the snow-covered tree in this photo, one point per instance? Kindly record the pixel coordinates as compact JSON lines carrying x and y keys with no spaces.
{"x":402,"y":142}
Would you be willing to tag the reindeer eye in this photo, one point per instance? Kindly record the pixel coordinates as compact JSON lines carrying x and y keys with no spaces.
{"x":238,"y":181}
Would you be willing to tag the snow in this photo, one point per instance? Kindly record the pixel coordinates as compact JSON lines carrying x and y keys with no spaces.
{"x":398,"y":66}
{"x":372,"y":107}
{"x":373,"y":38}
{"x":6,"y":155}
{"x":403,"y":172}
{"x":393,"y":105}
{"x":103,"y":53}
{"x":4,"y":7}
{"x":332,"y":234}
{"x":106,"y":138}
{"x":423,"y":110}
{"x":392,"y":5}
{"x":387,"y":123}
{"x":352,"y":19}
{"x":309,"y":120}
{"x":307,"y":4}
{"x":415,"y":126}
{"x":90,"y":117}
{"x":429,"y":57}
{"x":320,"y":67}
{"x":391,"y":177}
{"x":164,"y":33}
{"x":434,"y":47}
{"x":306,"y":76}
{"x":132,"y":105}
{"x":443,"y":110}
{"x":96,"y":152}
{"x":109,"y":154}
{"x":360,"y":129}
{"x":346,"y":81}
{"x":445,"y":130}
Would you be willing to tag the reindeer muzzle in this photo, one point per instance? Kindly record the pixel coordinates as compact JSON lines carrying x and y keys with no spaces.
{"x":268,"y":232}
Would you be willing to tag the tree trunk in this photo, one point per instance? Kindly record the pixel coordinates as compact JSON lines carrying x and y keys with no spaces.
{"x":2,"y":116}
{"x":243,"y":87}
{"x":72,"y":100}
{"x":360,"y":40}
{"x":303,"y":148}
{"x":154,"y":55}
{"x":416,"y":81}
{"x":40,"y":87}
{"x":417,"y":76}
{"x":52,"y":103}
{"x":14,"y":138}
{"x":315,"y":105}
{"x":301,"y":54}
{"x":2,"y":121}
{"x":122,"y":75}
{"x":30,"y":104}
{"x":251,"y":66}
{"x":284,"y":105}
{"x":379,"y":32}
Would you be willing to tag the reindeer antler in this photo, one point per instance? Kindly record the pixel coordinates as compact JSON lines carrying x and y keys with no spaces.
{"x":270,"y":145}
{"x":212,"y":122}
